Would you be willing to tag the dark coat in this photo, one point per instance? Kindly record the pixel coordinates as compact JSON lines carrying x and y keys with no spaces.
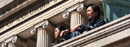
{"x":91,"y":25}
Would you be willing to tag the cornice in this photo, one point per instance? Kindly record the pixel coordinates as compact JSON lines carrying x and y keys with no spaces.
{"x":39,"y":18}
{"x":16,"y":20}
{"x":17,"y":8}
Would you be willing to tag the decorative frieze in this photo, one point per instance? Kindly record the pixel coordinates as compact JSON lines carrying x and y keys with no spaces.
{"x":14,"y":7}
{"x":41,"y":17}
{"x":27,"y":14}
{"x":17,"y":19}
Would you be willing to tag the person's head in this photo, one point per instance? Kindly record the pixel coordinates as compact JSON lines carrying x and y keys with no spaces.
{"x":92,"y":11}
{"x":57,"y":31}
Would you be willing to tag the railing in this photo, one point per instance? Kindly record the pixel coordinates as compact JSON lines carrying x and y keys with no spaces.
{"x":101,"y":36}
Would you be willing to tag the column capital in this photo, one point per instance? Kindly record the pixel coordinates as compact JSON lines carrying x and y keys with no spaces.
{"x":44,"y":24}
{"x":78,"y":7}
{"x":12,"y":39}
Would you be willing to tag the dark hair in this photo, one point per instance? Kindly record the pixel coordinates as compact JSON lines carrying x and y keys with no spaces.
{"x":61,"y":28}
{"x":95,"y":8}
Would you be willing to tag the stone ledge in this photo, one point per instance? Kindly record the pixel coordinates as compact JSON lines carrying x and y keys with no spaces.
{"x":98,"y":33}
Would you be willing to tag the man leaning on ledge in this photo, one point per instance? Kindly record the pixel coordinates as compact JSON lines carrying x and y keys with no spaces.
{"x":94,"y":21}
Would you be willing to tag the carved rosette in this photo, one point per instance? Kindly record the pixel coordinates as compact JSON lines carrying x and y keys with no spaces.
{"x":12,"y":39}
{"x":78,"y":7}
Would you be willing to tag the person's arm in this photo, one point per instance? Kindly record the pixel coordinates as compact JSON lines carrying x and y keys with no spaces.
{"x":64,"y":32}
{"x":75,"y":28}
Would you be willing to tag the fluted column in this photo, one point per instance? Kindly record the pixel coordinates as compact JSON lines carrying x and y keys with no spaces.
{"x":42,"y":38}
{"x":76,"y":19}
{"x":44,"y":33}
{"x":74,"y":14}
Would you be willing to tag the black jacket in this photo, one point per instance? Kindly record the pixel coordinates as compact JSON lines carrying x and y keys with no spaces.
{"x":91,"y":25}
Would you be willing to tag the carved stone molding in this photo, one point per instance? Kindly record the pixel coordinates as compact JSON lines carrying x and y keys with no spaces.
{"x":12,"y":39}
{"x":66,"y":13}
{"x":17,"y":7}
{"x":78,"y":7}
{"x":42,"y":24}
{"x":31,"y":22}
{"x":45,"y":24}
{"x":33,"y":30}
{"x":26,"y":14}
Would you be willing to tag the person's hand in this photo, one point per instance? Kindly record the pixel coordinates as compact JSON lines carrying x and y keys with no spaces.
{"x":64,"y":32}
{"x":78,"y":25}
{"x":75,"y":28}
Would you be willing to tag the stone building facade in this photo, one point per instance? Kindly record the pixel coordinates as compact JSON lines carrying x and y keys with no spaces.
{"x":31,"y":23}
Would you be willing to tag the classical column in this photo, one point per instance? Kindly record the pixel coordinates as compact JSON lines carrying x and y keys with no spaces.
{"x":75,"y":17}
{"x":42,"y":38}
{"x":44,"y":33}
